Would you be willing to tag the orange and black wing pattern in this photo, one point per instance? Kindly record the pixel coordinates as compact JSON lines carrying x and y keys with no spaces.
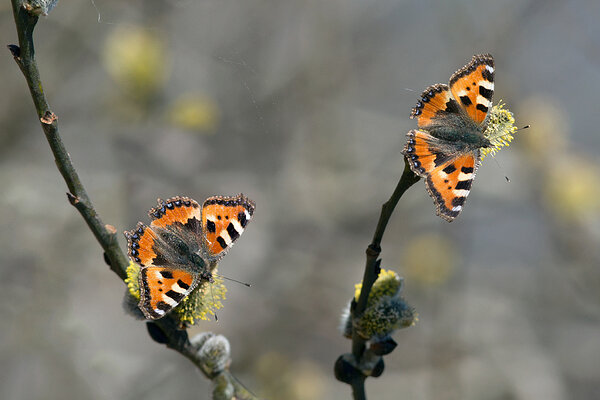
{"x":163,"y":284}
{"x":423,"y":152}
{"x":448,"y":176}
{"x":146,"y":245}
{"x":140,"y":244}
{"x":162,"y":289}
{"x":450,"y":184}
{"x":473,"y":86}
{"x":223,"y":221}
{"x":436,"y":102}
{"x":175,"y":211}
{"x":168,"y":249}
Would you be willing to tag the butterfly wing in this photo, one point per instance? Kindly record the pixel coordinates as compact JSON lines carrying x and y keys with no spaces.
{"x":448,"y":173}
{"x":176,"y":211}
{"x":163,"y":288}
{"x":167,"y":249}
{"x":223,"y":221}
{"x":140,"y":244}
{"x":473,"y":86}
{"x":449,"y":184}
{"x":163,"y":251}
{"x":163,"y":282}
{"x":435,"y":106}
{"x":425,"y":152}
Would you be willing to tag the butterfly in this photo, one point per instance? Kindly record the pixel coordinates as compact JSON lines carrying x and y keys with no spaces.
{"x":445,"y":150}
{"x":182,"y":245}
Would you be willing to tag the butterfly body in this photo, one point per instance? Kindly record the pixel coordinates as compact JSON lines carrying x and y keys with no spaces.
{"x":445,"y":150}
{"x":182,"y":245}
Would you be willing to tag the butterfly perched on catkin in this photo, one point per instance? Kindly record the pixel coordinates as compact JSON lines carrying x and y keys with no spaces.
{"x":182,"y":245}
{"x":446,"y":149}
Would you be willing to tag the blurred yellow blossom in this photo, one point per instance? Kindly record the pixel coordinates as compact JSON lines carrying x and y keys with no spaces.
{"x":137,"y":60}
{"x":290,"y":379}
{"x":194,"y":112}
{"x":429,"y":260}
{"x":549,"y":128}
{"x":569,"y":188}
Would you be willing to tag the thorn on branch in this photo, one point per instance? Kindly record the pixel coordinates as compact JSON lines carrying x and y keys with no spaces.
{"x":353,"y":304}
{"x":15,"y":51}
{"x":72,"y":199}
{"x":377,"y":268}
{"x":106,"y":259}
{"x":156,"y":333}
{"x":110,"y":229}
{"x":48,"y":118}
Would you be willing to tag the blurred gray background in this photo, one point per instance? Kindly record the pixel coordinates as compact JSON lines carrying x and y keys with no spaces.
{"x":303,"y":106}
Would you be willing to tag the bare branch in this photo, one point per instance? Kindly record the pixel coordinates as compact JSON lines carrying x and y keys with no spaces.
{"x":346,"y":370}
{"x":164,"y":330}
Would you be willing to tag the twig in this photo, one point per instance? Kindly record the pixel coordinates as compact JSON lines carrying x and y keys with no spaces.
{"x":106,"y":235}
{"x":372,"y":270}
{"x":24,"y":56}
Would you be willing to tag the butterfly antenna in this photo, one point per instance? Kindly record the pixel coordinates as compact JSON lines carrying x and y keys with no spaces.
{"x":500,"y":166}
{"x":518,"y":129}
{"x":228,"y":279}
{"x":233,"y":280}
{"x":506,"y":134}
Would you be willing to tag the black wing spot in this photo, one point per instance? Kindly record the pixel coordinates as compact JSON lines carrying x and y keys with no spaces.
{"x":175,"y":295}
{"x":233,"y":233}
{"x":242,"y":218}
{"x":452,"y":106}
{"x":182,"y":284}
{"x":464,"y":185}
{"x":485,"y":92}
{"x":210,"y":226}
{"x":465,"y":100}
{"x":166,"y":274}
{"x":449,"y":169}
{"x":481,"y":107}
{"x":487,"y":75}
{"x":222,"y":242}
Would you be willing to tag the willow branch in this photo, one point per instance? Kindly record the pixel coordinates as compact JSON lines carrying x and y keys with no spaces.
{"x":372,"y":270}
{"x":106,"y":235}
{"x":24,"y":55}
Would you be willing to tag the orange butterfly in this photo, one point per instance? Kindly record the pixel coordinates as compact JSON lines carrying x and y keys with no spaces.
{"x":445,"y":150}
{"x":180,"y":247}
